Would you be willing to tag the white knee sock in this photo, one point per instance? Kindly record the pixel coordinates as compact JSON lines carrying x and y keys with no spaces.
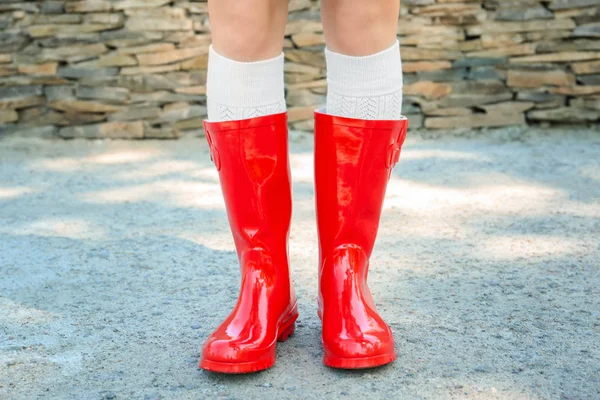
{"x":239,"y":90}
{"x":368,"y":87}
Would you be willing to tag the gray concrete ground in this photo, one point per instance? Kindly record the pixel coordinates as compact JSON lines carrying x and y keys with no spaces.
{"x":116,"y":263}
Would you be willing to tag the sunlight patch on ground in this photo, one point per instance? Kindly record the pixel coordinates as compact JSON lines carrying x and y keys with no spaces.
{"x":161,"y":168}
{"x":528,"y":246}
{"x":178,"y":193}
{"x":512,"y":192}
{"x":58,"y":227}
{"x":416,"y":154}
{"x":14,"y":192}
{"x":219,"y":241}
{"x":69,"y":164}
{"x":591,"y":171}
{"x":14,"y":313}
{"x":124,"y":157}
{"x":302,"y":167}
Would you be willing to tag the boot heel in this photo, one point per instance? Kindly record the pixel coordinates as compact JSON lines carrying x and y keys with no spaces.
{"x":287,"y":332}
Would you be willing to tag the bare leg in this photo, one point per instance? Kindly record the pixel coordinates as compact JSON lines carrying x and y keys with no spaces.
{"x":359,"y":27}
{"x":248,"y":30}
{"x":245,"y":67}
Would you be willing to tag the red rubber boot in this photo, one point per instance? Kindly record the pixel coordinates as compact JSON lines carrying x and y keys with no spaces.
{"x":353,"y":163}
{"x":251,"y":156}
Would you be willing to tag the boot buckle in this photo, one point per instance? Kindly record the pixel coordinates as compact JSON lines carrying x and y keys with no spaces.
{"x":393,"y":152}
{"x":214,"y":153}
{"x":393,"y":155}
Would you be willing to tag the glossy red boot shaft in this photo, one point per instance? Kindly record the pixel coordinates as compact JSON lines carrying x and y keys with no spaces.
{"x":353,"y":163}
{"x":251,"y":156}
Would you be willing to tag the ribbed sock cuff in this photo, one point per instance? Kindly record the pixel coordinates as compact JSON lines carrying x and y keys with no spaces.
{"x":377,"y":74}
{"x":244,"y":84}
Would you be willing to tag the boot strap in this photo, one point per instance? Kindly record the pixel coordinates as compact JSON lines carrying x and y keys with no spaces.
{"x":393,"y":152}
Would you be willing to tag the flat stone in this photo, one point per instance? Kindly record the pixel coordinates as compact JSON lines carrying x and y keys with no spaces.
{"x":465,"y":99}
{"x":576,"y":90}
{"x":589,"y":102}
{"x":525,"y":26}
{"x":306,"y":125}
{"x":567,"y":56}
{"x":8,"y":70}
{"x":52,"y":7}
{"x":300,"y":113}
{"x":190,"y":124}
{"x":40,"y":31}
{"x":158,"y":24}
{"x":565,"y":4}
{"x":135,"y":113}
{"x":445,"y":9}
{"x":163,"y":132}
{"x":485,"y":73}
{"x":87,"y":6}
{"x":428,"y":90}
{"x":476,"y":121}
{"x":588,"y":30}
{"x":112,"y":94}
{"x":306,"y":57}
{"x":170,"y":56}
{"x":74,"y":105}
{"x":509,"y":107}
{"x":501,"y":52}
{"x":59,"y":92}
{"x":149,"y":70}
{"x":46,"y":131}
{"x":65,"y":53}
{"x":589,"y":79}
{"x":415,"y":121}
{"x":128,"y":4}
{"x":201,"y":90}
{"x":112,"y":130}
{"x":449,"y":75}
{"x":180,"y":112}
{"x":8,"y":116}
{"x":195,"y":63}
{"x":304,"y":39}
{"x":479,"y":61}
{"x":148,"y":48}
{"x":43,"y":19}
{"x":75,"y":72}
{"x":70,"y":118}
{"x":447,"y":112}
{"x":483,"y":87}
{"x":425,"y":66}
{"x":523,"y":14}
{"x":15,"y":97}
{"x":49,"y":68}
{"x":582,"y":68}
{"x":533,"y":79}
{"x":304,"y":97}
{"x":539,"y":96}
{"x":564,"y":114}
{"x":126,"y":38}
{"x":411,"y":53}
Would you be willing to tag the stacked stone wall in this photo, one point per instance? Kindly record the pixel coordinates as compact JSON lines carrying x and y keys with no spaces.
{"x":137,"y":68}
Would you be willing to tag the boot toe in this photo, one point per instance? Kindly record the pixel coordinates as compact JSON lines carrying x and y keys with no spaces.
{"x":360,"y":351}
{"x":231,"y":351}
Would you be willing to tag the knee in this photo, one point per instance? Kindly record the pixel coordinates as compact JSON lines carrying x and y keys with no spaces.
{"x":359,"y":28}
{"x":249,"y":30}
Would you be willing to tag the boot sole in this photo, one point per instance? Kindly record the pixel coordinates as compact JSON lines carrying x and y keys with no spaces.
{"x":286,"y":329}
{"x":358,"y":363}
